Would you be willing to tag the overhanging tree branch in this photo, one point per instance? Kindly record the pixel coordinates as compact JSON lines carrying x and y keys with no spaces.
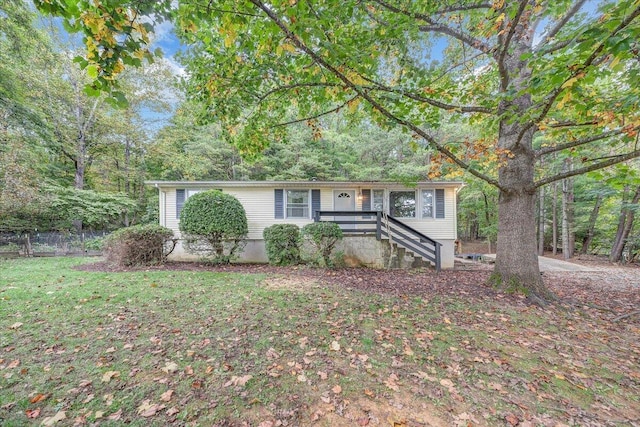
{"x":600,"y":165}
{"x":296,"y":86}
{"x":433,"y":26}
{"x":579,"y":70}
{"x":317,"y":116}
{"x":366,"y":96}
{"x":578,"y":142}
{"x":562,"y":22}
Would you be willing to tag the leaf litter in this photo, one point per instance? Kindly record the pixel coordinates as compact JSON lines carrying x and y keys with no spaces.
{"x":413,"y":348}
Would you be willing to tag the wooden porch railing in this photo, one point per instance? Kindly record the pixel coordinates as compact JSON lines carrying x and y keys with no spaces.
{"x":386,"y":227}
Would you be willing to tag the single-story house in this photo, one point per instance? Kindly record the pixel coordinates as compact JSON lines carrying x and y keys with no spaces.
{"x":385,"y":223}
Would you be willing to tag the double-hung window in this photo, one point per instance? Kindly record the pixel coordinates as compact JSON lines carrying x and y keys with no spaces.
{"x":297,"y":202}
{"x":427,"y":204}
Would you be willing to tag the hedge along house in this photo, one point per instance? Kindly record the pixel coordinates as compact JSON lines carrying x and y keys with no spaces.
{"x":385,"y":224}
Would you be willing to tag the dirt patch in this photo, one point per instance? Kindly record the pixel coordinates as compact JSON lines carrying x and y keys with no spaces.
{"x":401,"y":410}
{"x":297,"y":284}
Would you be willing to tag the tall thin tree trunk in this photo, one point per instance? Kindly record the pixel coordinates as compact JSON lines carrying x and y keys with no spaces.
{"x":588,"y":238}
{"x":554,"y":219}
{"x":568,"y":238}
{"x":541,"y":221}
{"x":625,"y":224}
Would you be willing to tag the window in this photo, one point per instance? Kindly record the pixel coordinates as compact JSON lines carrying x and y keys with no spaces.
{"x":297,"y":203}
{"x":402,"y":204}
{"x":427,"y":204}
{"x":378,"y":200}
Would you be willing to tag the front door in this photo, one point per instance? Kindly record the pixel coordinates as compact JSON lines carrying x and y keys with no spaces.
{"x":345,"y":200}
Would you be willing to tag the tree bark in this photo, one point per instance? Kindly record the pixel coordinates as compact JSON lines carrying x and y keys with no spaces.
{"x":588,"y":238}
{"x":568,"y":236}
{"x":516,"y":268}
{"x":554,"y":219}
{"x":625,"y":225}
{"x":541,"y":220}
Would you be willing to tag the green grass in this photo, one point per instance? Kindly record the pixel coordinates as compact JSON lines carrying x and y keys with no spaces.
{"x":200,"y":333}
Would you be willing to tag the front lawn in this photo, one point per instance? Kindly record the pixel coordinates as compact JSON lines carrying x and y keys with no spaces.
{"x":226,"y":348}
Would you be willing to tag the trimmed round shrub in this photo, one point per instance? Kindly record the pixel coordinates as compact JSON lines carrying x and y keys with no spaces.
{"x":282,"y":242}
{"x":323,"y":236}
{"x":214,"y":224}
{"x":147,"y":244}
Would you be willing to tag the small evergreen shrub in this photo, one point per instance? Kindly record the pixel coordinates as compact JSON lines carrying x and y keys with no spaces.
{"x":282,"y":242}
{"x":214,"y":224}
{"x":323,"y":236}
{"x":139,"y":245}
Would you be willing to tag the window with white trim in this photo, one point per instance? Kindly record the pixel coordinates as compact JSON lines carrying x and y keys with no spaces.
{"x":427,"y":204}
{"x":297,"y":203}
{"x":377,"y":200}
{"x":402,"y":204}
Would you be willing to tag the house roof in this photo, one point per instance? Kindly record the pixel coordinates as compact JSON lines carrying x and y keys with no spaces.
{"x":302,"y":184}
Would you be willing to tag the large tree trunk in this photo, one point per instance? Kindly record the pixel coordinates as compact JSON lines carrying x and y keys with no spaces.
{"x":588,"y":238}
{"x":625,"y":225}
{"x":516,"y":268}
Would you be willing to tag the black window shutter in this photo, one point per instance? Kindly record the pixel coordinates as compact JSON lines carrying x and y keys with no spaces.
{"x":439,"y":203}
{"x":180,"y":194}
{"x":279,"y":203}
{"x":315,"y":202}
{"x":366,"y":200}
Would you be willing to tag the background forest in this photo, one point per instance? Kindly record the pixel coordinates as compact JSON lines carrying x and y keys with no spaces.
{"x":71,"y":160}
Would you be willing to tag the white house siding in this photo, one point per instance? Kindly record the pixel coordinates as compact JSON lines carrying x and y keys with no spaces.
{"x":259,"y":203}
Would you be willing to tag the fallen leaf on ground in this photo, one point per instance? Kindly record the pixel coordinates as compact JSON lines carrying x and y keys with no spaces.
{"x":170,"y":367}
{"x":49,"y":421}
{"x":38,"y":397}
{"x":238,"y":381}
{"x":116,"y":415}
{"x":272,"y":353}
{"x":99,"y":414}
{"x":32,"y":413}
{"x":166,"y":396}
{"x":172,"y":411}
{"x":322,"y":375}
{"x":148,"y":409}
{"x":335,"y":346}
{"x":15,"y":325}
{"x":337,"y":389}
{"x":107,"y":376}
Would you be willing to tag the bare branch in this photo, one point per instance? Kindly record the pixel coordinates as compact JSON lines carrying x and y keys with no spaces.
{"x":572,"y":124}
{"x":433,"y":26}
{"x":366,"y":96}
{"x":600,"y":165}
{"x":563,"y":21}
{"x":431,"y":101}
{"x":464,"y":8}
{"x":467,"y":39}
{"x":317,"y":116}
{"x":578,"y":142}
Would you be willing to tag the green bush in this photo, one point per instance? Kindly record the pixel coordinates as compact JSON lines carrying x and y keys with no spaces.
{"x":139,"y":245}
{"x":214,"y":224}
{"x":282,"y":242}
{"x":323,"y":236}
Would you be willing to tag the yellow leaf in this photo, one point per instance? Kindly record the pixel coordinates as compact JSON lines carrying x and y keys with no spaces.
{"x":288,"y":47}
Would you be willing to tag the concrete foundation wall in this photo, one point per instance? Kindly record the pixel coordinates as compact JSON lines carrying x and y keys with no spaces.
{"x":357,"y":250}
